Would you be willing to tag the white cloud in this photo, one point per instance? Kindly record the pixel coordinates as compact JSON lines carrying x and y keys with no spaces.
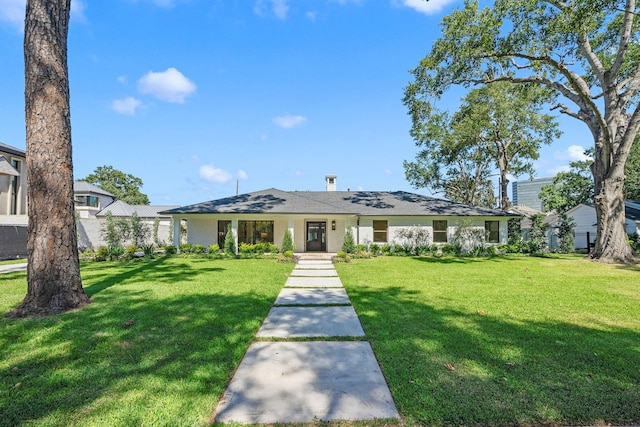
{"x":298,"y":173}
{"x":213,"y":174}
{"x":427,"y":7}
{"x":280,"y":8}
{"x":170,"y":85}
{"x":573,"y":153}
{"x":242,"y":174}
{"x":288,"y":121}
{"x":13,"y":12}
{"x":123,"y":80}
{"x":388,"y":171}
{"x":127,"y":105}
{"x":557,"y":170}
{"x":312,"y":15}
{"x":77,"y":10}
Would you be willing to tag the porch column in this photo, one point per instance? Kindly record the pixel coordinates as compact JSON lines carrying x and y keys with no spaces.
{"x":176,"y":232}
{"x":234,"y":230}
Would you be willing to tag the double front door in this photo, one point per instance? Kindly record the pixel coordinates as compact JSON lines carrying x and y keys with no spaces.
{"x":316,"y":237}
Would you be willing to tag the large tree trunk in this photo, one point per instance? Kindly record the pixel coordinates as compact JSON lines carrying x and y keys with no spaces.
{"x":611,"y":244}
{"x":53,"y":272}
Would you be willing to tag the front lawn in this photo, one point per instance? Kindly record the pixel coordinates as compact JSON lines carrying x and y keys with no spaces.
{"x":156,"y":347}
{"x":521,"y":341}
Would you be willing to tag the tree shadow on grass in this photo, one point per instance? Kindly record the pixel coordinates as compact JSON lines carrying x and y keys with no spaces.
{"x":167,"y":367}
{"x":448,"y":367}
{"x":157,"y":270}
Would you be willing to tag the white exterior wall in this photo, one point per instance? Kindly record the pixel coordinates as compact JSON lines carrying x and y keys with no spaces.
{"x":90,"y":231}
{"x":203,"y":228}
{"x":202,"y":231}
{"x":585,"y":219}
{"x":395,"y":224}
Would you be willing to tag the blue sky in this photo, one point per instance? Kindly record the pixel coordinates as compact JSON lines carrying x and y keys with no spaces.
{"x":193,"y":96}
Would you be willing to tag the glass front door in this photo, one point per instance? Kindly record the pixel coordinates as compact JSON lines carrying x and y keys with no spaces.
{"x":316,"y":237}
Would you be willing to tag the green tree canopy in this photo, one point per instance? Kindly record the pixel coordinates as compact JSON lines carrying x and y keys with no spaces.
{"x":569,"y":189}
{"x":498,"y":130}
{"x":125,"y":187}
{"x":587,"y":52}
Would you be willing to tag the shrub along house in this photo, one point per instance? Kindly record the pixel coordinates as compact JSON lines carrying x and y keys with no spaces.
{"x":318,"y":220}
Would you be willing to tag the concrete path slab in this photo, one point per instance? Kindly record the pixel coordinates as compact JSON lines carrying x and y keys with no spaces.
{"x":292,"y":322}
{"x":315,"y":262}
{"x":10,"y":268}
{"x":314,"y":273}
{"x":280,"y":382}
{"x":313,"y":282}
{"x":314,"y":267}
{"x":301,"y":296}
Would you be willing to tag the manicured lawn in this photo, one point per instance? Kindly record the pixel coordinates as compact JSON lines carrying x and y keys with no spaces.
{"x":192,"y":322}
{"x":13,"y":261}
{"x":522,"y":341}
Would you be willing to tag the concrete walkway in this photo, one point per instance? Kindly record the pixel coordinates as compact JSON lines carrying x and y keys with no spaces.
{"x":281,"y":381}
{"x":10,"y":268}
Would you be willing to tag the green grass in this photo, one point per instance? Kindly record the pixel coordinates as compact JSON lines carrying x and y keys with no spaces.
{"x":532,"y":340}
{"x":193,"y":321}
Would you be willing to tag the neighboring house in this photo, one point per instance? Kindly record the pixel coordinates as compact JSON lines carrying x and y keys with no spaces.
{"x":148,"y":215}
{"x":13,"y":202}
{"x":92,"y":205}
{"x":90,"y":199}
{"x":551,"y":219}
{"x":585,"y":230}
{"x":318,"y":220}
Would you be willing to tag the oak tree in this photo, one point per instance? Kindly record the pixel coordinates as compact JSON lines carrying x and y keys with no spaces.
{"x":498,"y":130}
{"x":585,"y":51}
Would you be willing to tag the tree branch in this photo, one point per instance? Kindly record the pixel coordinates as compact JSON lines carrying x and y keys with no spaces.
{"x":625,"y":35}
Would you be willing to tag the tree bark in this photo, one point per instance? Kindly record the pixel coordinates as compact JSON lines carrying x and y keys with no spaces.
{"x":611,"y":245}
{"x":53,"y":272}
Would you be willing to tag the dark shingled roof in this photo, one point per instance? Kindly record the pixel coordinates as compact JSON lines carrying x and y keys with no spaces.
{"x":12,"y":150}
{"x":363,"y":203}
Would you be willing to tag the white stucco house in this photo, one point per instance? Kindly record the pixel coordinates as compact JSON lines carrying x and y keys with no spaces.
{"x":92,"y":204}
{"x":318,"y":220}
{"x":585,"y":230}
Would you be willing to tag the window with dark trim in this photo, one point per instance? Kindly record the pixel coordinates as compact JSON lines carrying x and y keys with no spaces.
{"x":492,"y":231}
{"x":380,"y":228}
{"x":440,"y":234}
{"x":91,"y":201}
{"x":255,"y":231}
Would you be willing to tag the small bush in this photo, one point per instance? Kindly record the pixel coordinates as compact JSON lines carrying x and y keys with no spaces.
{"x":286,"y":256}
{"x":362,"y":255}
{"x":186,"y":248}
{"x":348,"y":245}
{"x":448,"y":249}
{"x":102,"y":253}
{"x":360,"y":248}
{"x":199,"y":249}
{"x":385,"y":249}
{"x":214,"y":249}
{"x":229,"y":243}
{"x":115,"y":252}
{"x":342,"y":256}
{"x":130,"y":252}
{"x":287,"y":241}
{"x":634,"y":242}
{"x":375,"y":249}
{"x":170,"y":250}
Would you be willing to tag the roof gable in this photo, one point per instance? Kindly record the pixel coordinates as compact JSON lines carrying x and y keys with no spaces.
{"x":85,"y":187}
